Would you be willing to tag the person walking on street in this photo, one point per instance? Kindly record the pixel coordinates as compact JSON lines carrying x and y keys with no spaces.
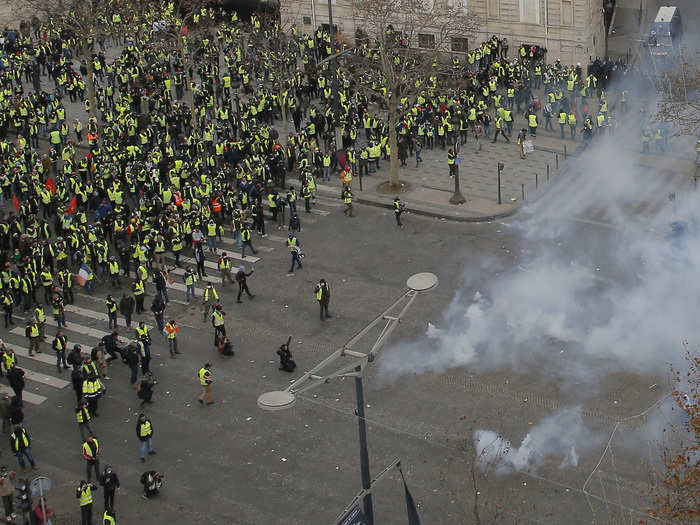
{"x":144,"y":431}
{"x":7,"y":492}
{"x":7,"y":301}
{"x":21,"y":445}
{"x":59,"y":312}
{"x":398,"y":210}
{"x":323,"y":296}
{"x":126,"y":308}
{"x":521,"y":142}
{"x":82,"y":416}
{"x":451,"y":162}
{"x":499,"y":129}
{"x":84,"y":494}
{"x":245,"y":240}
{"x":347,"y":199}
{"x":15,"y":376}
{"x":158,"y":309}
{"x":200,"y":259}
{"x":210,"y":300}
{"x":91,"y":453}
{"x":217,"y":321}
{"x":132,"y":360}
{"x":160,"y":280}
{"x":205,"y":381}
{"x":92,"y":390}
{"x":110,"y":481}
{"x":5,"y":413}
{"x":144,"y":351}
{"x":242,"y":280}
{"x":172,"y":329}
{"x":139,"y":290}
{"x":189,"y":278}
{"x":34,"y":335}
{"x":225,"y":269}
{"x":295,"y":248}
{"x":111,"y":311}
{"x":59,"y":346}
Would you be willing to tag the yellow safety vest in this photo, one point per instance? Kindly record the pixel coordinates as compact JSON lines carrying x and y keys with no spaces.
{"x":86,"y":497}
{"x":145,"y":429}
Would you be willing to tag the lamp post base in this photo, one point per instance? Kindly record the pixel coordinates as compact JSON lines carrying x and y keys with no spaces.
{"x":457,"y":198}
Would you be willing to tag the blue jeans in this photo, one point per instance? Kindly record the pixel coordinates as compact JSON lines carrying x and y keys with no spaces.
{"x":211,"y":243}
{"x":146,"y":446}
{"x":190,"y":292}
{"x":61,"y":358}
{"x":26,"y":452}
{"x":127,"y":318}
{"x":249,"y":245}
{"x":61,"y":320}
{"x":237,"y":238}
{"x":295,"y":259}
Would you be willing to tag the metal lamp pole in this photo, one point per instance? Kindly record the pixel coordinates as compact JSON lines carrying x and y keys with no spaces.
{"x":281,"y":400}
{"x":608,"y":10}
{"x":500,"y":168}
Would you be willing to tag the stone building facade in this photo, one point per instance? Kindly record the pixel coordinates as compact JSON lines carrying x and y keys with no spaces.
{"x":570,"y":30}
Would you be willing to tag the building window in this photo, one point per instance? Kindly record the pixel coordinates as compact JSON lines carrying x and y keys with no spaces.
{"x":459,"y":44}
{"x":567,"y":13}
{"x":426,"y":41}
{"x":306,"y":20}
{"x":530,"y":11}
{"x":458,"y":6}
{"x":494,"y":8}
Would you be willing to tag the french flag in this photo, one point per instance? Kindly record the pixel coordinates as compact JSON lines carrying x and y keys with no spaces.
{"x":83,"y":274}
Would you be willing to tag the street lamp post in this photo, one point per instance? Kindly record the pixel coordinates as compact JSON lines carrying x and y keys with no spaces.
{"x":284,"y":399}
{"x":500,"y":169}
{"x":608,"y":10}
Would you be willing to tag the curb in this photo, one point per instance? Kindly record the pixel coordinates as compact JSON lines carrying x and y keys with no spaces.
{"x":327,"y":192}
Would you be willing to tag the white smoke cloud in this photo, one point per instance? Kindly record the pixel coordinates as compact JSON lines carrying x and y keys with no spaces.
{"x":618,"y":301}
{"x":562,"y":436}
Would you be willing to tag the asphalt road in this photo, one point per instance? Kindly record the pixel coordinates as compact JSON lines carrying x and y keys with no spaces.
{"x":233,"y":463}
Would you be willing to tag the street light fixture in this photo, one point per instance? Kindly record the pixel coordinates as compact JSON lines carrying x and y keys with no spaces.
{"x":284,"y":399}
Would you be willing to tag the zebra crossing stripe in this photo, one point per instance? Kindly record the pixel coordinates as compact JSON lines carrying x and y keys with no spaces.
{"x":29,"y":397}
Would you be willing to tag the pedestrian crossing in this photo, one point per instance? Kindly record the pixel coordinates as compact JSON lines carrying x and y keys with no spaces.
{"x":88,"y":322}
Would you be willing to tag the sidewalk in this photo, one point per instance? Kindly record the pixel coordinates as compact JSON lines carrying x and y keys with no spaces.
{"x":427,"y":189}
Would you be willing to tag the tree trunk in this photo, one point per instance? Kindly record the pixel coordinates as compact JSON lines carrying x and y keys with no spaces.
{"x":393,"y":147}
{"x":90,"y":81}
{"x":187,"y":65}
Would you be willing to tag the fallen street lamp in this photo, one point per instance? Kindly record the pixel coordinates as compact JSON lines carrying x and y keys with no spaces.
{"x":284,"y":399}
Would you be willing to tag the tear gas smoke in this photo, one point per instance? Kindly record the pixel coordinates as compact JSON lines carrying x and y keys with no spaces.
{"x":562,"y":436}
{"x":617,"y":299}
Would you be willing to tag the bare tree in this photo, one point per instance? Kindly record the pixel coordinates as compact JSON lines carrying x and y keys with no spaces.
{"x":279,"y":48}
{"x":678,"y":89}
{"x":86,"y":23}
{"x":182,"y":28}
{"x":676,"y":490}
{"x":407,"y":38}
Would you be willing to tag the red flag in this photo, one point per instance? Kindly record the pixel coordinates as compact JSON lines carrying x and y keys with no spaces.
{"x":72,"y":206}
{"x":51,"y":186}
{"x":15,"y":201}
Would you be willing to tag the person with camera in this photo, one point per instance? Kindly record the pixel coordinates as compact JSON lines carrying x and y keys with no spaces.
{"x":399,"y":208}
{"x":295,"y":249}
{"x":205,"y":381}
